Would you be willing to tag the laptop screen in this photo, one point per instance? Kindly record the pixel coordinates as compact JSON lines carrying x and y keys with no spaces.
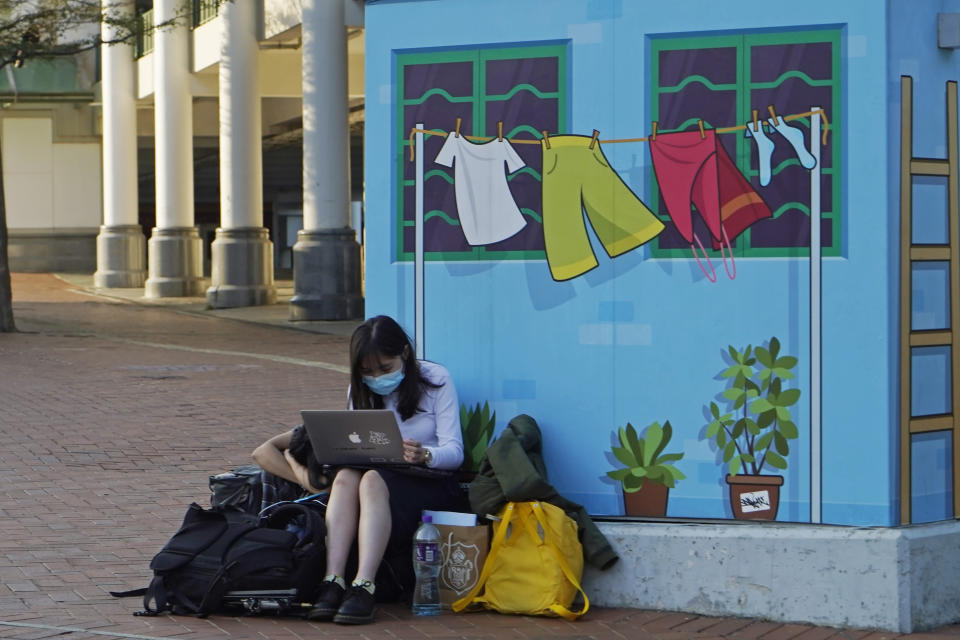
{"x":360,"y":437}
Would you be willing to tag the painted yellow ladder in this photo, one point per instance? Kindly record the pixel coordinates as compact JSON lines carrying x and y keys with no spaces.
{"x":911,"y":253}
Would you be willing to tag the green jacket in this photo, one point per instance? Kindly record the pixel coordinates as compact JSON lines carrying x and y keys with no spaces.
{"x":512,"y":470}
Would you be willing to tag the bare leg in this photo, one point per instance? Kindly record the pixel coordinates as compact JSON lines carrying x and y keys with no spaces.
{"x":375,"y":524}
{"x":342,"y":515}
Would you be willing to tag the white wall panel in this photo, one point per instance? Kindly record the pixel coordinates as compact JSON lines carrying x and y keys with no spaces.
{"x":206,"y":44}
{"x":145,"y":76}
{"x":76,"y":186}
{"x":28,"y":172}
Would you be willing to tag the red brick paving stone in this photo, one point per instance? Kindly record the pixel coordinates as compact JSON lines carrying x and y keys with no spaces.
{"x":853,"y":634}
{"x":728,"y":626}
{"x":700,"y":624}
{"x":788,"y":631}
{"x":756,"y":629}
{"x":19,"y":587}
{"x":667,"y":621}
{"x":637,"y":622}
{"x":818,"y":633}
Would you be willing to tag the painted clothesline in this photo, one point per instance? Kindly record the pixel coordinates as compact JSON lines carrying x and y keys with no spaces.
{"x":731,"y":129}
{"x":815,"y":113}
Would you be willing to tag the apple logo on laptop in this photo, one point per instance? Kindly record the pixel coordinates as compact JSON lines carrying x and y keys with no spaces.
{"x":355,"y":438}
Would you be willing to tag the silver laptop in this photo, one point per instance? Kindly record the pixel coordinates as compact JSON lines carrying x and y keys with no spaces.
{"x":355,"y":437}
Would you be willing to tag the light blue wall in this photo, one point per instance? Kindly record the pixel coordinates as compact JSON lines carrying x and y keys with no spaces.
{"x":527,"y":344}
{"x":914,"y":52}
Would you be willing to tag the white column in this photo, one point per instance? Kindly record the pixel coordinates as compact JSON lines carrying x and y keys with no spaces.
{"x":175,"y":249}
{"x":326,"y":150}
{"x":119,"y":123}
{"x":241,"y":254}
{"x":241,"y":182}
{"x":121,"y":249}
{"x":174,"y":118}
{"x":326,"y":276}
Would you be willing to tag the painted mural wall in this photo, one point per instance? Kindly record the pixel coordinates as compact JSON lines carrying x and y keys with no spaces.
{"x":929,"y":68}
{"x":617,"y":200}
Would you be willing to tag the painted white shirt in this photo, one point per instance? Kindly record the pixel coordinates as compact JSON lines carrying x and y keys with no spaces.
{"x":437,"y":425}
{"x":485,"y":206}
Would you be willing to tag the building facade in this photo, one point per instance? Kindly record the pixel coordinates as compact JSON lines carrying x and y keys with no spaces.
{"x":209,"y":129}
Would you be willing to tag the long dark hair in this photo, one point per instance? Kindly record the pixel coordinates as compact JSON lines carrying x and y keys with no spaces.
{"x":381,"y":335}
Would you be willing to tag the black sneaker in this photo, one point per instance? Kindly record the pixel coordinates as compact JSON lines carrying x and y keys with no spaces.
{"x":357,"y":607}
{"x":329,"y":597}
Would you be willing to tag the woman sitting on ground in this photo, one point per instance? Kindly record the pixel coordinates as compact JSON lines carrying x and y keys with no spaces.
{"x":380,"y":508}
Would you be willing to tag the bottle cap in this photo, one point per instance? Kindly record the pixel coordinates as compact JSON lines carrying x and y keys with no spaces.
{"x":427,"y":518}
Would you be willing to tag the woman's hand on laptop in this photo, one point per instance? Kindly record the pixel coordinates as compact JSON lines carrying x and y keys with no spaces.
{"x":414,"y":453}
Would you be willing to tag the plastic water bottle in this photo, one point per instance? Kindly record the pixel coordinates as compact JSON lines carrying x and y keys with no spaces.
{"x":426,"y":566}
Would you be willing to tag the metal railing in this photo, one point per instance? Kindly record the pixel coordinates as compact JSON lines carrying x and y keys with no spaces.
{"x":205,"y":11}
{"x":144,"y":33}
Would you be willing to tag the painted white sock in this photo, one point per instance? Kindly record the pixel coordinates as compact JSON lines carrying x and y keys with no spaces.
{"x":764,"y":151}
{"x":795,"y":137}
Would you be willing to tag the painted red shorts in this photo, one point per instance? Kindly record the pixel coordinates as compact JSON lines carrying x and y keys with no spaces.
{"x":695,"y":169}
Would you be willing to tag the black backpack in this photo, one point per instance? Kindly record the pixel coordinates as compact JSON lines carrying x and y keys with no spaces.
{"x":223,"y":556}
{"x":241,"y":487}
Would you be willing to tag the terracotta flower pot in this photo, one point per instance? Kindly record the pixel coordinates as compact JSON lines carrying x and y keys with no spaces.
{"x":754,"y":497}
{"x":651,"y":500}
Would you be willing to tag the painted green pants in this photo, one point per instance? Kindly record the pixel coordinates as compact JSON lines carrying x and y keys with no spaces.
{"x":577,"y":179}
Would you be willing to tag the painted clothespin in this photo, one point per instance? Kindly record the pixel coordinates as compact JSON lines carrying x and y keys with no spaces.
{"x":702,"y":134}
{"x":756,"y":124}
{"x":456,"y":131}
{"x":593,"y":140}
{"x":773,"y":112}
{"x":500,"y":130}
{"x":653,"y":128}
{"x":546,"y":139}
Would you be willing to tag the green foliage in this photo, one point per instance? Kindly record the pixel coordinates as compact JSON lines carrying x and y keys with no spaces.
{"x":753,"y":428}
{"x":476,"y":425}
{"x":47,"y":29}
{"x":644,"y":459}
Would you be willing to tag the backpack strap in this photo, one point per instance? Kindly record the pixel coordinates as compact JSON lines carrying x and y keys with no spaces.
{"x":558,"y":609}
{"x":252,"y":562}
{"x":506,"y":514}
{"x":156,"y":598}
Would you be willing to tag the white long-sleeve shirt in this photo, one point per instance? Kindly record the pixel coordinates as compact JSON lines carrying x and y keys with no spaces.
{"x":436,"y":426}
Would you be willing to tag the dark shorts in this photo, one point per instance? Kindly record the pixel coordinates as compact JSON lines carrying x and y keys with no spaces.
{"x":409,"y":495}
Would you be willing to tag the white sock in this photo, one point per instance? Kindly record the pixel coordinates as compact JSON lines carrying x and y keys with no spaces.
{"x":332,"y":577}
{"x":366,"y":584}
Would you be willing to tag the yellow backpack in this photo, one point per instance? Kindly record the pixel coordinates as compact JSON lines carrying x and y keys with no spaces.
{"x":534,"y":565}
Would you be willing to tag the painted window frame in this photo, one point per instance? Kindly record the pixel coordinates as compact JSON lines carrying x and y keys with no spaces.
{"x":479,"y":56}
{"x":743,"y":42}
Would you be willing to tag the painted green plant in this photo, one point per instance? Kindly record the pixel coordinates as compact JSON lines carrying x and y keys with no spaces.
{"x":476,"y":425}
{"x":758,"y":425}
{"x":644,"y":459}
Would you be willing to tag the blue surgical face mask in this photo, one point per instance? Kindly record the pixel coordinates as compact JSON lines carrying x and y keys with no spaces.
{"x":385,"y":384}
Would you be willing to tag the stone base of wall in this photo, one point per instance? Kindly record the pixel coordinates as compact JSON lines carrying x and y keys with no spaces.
{"x":52,"y":251}
{"x":900,"y":579}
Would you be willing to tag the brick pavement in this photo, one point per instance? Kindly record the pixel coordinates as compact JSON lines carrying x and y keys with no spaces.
{"x":114,"y":414}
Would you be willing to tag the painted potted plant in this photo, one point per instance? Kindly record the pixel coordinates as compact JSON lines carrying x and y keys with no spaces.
{"x":647,"y":476}
{"x":476,"y":427}
{"x":753,"y":428}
